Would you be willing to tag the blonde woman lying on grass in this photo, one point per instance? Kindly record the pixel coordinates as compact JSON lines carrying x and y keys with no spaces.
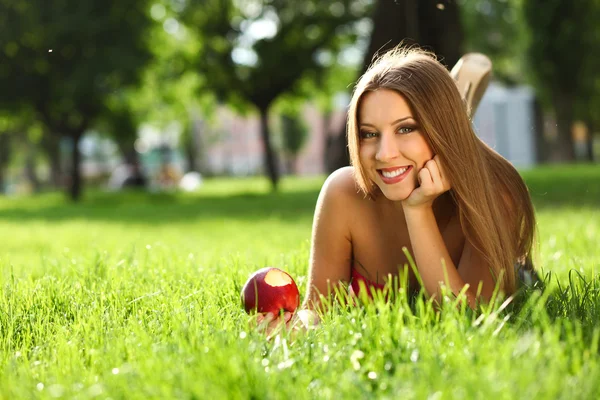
{"x":422,"y":180}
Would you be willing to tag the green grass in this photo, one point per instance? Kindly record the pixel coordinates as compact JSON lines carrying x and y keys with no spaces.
{"x":135,"y":295}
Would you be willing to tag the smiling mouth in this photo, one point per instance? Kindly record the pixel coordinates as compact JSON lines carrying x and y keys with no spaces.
{"x":393,"y":175}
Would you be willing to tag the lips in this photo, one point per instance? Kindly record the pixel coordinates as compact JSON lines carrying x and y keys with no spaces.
{"x":394,"y":174}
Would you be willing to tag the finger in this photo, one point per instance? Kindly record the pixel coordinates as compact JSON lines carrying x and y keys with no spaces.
{"x":264,"y":320}
{"x":272,"y":328}
{"x":434,"y":170}
{"x":441,"y":169}
{"x":425,"y":178}
{"x":440,"y":166}
{"x":275,"y":327}
{"x":287,"y":316}
{"x":269,"y":317}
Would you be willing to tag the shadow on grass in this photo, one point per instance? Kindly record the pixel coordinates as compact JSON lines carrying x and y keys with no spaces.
{"x":148,"y":208}
{"x":576,"y":186}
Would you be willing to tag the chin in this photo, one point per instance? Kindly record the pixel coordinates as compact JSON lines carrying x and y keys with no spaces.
{"x":395,"y":195}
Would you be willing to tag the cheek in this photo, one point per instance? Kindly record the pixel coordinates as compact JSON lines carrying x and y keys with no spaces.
{"x":366,"y":158}
{"x":421,"y":147}
{"x":365,"y":153}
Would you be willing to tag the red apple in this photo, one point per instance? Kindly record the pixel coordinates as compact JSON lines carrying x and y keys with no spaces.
{"x":270,"y":290}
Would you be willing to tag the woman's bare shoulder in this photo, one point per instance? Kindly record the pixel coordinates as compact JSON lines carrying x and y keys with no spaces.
{"x":341,"y":185}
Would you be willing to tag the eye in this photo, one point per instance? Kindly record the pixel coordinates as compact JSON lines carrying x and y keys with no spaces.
{"x":405,"y":129}
{"x":367,"y":135}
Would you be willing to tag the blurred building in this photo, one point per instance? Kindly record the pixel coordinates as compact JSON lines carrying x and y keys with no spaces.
{"x":505,"y":120}
{"x":233,"y":145}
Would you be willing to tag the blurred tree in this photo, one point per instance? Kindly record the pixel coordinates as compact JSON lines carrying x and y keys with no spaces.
{"x":8,"y":131}
{"x":6,"y":144}
{"x":31,"y":139}
{"x":588,"y":100}
{"x":19,"y":137}
{"x":253,"y":51}
{"x":434,"y":25}
{"x":294,"y":133}
{"x":63,"y":58}
{"x":587,"y":112}
{"x":564,"y":66}
{"x":50,"y":145}
{"x":329,"y":90}
{"x":496,"y":28}
{"x":171,"y":88}
{"x":119,"y":122}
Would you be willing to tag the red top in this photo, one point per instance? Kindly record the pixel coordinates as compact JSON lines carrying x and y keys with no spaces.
{"x":355,"y":284}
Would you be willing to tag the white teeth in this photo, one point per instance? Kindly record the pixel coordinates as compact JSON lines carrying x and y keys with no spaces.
{"x":395,"y":173}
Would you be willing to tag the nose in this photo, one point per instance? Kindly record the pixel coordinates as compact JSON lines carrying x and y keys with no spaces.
{"x":388,"y":148}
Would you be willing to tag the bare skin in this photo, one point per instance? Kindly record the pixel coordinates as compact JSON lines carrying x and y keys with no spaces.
{"x":367,"y":235}
{"x":413,"y":210}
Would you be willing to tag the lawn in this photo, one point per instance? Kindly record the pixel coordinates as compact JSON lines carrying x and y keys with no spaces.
{"x":133,"y":295}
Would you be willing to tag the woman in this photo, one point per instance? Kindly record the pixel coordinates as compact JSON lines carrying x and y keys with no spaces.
{"x":420,"y":179}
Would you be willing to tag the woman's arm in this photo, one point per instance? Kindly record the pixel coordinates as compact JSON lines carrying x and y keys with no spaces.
{"x":435,"y":265}
{"x":330,"y":254}
{"x":331,"y":244}
{"x":433,"y":260}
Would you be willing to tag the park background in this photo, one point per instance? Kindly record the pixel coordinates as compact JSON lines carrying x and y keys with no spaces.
{"x":122,"y":280}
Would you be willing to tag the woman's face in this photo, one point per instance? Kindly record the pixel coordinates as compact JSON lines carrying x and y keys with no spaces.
{"x":392,"y":147}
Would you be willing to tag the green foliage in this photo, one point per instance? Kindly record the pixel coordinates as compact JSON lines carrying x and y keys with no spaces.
{"x":64,"y":57}
{"x":563,"y":34}
{"x":496,"y":28}
{"x":119,"y":122}
{"x":555,"y":37}
{"x":170,"y":85}
{"x":294,"y":133}
{"x":134,"y":295}
{"x":254,"y":51}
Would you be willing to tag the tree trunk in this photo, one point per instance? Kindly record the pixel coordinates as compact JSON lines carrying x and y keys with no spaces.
{"x":563,"y":149}
{"x":335,"y":153}
{"x":128,"y":152}
{"x":5,"y":150}
{"x":408,"y":21}
{"x":51,"y":146}
{"x":590,"y":140}
{"x":393,"y":22}
{"x":292,"y":164}
{"x":197,"y":132}
{"x":440,"y":30}
{"x":270,"y":158}
{"x":75,"y":184}
{"x":30,"y":170}
{"x":2,"y":180}
{"x":189,"y":147}
{"x":541,"y":146}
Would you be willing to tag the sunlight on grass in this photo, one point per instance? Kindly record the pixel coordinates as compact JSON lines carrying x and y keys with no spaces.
{"x":137,"y":296}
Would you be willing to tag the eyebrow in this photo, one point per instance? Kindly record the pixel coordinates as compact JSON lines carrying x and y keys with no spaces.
{"x":393,"y":123}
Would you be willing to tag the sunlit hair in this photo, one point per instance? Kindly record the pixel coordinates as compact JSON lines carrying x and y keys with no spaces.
{"x":493,"y":203}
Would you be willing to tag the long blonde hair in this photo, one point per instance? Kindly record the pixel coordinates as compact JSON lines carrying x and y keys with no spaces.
{"x":493,"y":203}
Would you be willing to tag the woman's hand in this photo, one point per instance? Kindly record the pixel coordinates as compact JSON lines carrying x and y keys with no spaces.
{"x":301,"y":320}
{"x":432,"y":183}
{"x":270,"y":324}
